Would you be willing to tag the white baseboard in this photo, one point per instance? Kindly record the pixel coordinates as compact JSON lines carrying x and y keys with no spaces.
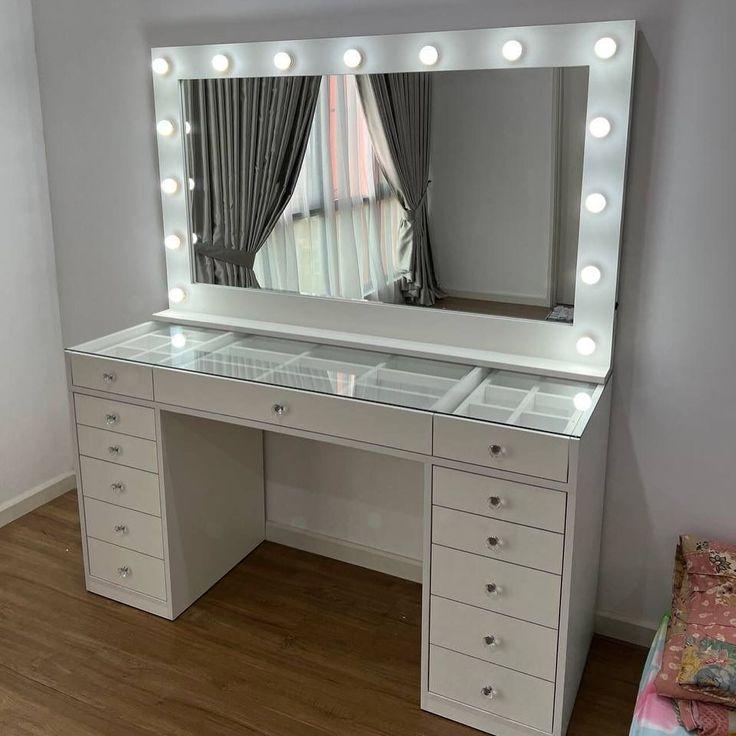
{"x":27,"y":501}
{"x":339,"y":549}
{"x":625,"y":629}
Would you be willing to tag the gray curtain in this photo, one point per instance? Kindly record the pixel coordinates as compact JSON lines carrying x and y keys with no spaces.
{"x":245,"y":150}
{"x":398,"y":111}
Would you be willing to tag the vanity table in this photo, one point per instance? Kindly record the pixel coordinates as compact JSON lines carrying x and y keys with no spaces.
{"x":507,"y":417}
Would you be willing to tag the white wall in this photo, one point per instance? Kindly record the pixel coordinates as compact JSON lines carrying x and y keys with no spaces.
{"x":672,"y":460}
{"x":35,"y":445}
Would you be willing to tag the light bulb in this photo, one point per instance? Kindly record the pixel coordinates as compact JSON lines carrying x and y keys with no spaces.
{"x":187,"y":127}
{"x":192,"y":184}
{"x":161,"y":66}
{"x":179,"y":340}
{"x":195,"y":238}
{"x":283,"y":61}
{"x":585,"y":346}
{"x":429,"y":55}
{"x":512,"y":50}
{"x":177,"y":295}
{"x":352,"y":58}
{"x":599,"y":127}
{"x":220,"y":63}
{"x":172,"y":242}
{"x":595,"y":203}
{"x":169,"y":186}
{"x":582,"y":401}
{"x":605,"y":47}
{"x":590,"y":275}
{"x":165,"y":127}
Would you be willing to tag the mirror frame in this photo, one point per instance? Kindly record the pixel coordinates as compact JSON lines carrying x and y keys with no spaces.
{"x":503,"y":342}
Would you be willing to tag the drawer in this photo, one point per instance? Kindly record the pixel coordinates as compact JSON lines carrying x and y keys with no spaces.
{"x":500,"y":540}
{"x":389,"y":426}
{"x":125,"y":527}
{"x":115,"y":376}
{"x":138,"y":421}
{"x":499,"y":499}
{"x":520,"y":450}
{"x":118,"y":448}
{"x":127,"y":568}
{"x":493,"y":637}
{"x":521,"y":698}
{"x":116,"y":484}
{"x":527,"y":594}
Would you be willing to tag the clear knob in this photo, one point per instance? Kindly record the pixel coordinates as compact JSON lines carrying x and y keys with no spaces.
{"x":117,"y":487}
{"x":490,"y":640}
{"x":124,"y":571}
{"x":495,"y":502}
{"x":494,"y":542}
{"x":496,"y":450}
{"x":115,"y":450}
{"x":111,"y":419}
{"x":120,"y":529}
{"x":493,"y":589}
{"x":109,"y":378}
{"x":278,"y":409}
{"x":489,"y":692}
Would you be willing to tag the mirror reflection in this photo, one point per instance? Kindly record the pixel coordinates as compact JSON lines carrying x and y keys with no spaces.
{"x":446,"y":190}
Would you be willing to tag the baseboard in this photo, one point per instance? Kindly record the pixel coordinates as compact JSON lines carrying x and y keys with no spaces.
{"x":339,"y":549}
{"x":27,"y":501}
{"x":624,"y":629}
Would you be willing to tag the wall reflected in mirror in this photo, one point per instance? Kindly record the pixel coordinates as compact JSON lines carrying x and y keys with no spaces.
{"x":444,"y":190}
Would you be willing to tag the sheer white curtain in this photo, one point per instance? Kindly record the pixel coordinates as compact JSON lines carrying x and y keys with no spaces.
{"x":337,"y":236}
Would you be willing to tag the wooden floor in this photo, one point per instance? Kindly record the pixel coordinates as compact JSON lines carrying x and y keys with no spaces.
{"x":287,"y":644}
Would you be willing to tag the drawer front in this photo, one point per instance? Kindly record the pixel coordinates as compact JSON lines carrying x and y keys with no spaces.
{"x":519,"y":450}
{"x":405,"y":429}
{"x":495,"y":638}
{"x":500,"y":540}
{"x":125,"y":527}
{"x":127,"y":568}
{"x":138,"y":421}
{"x":527,"y":594}
{"x":118,"y":448}
{"x":116,"y":484}
{"x":521,"y":698}
{"x":115,"y":376}
{"x":499,"y":499}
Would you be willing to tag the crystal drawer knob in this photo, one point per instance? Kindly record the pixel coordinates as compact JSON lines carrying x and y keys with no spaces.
{"x":489,"y":691}
{"x":109,"y":378}
{"x":494,"y":542}
{"x":278,"y":409}
{"x":496,"y":450}
{"x":493,"y":589}
{"x":124,"y":572}
{"x":117,"y":487}
{"x":491,"y":640}
{"x":120,"y":529}
{"x":495,"y":502}
{"x":112,"y":419}
{"x":115,"y":450}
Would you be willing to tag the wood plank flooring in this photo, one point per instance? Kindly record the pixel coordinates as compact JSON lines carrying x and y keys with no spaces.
{"x":287,"y":644}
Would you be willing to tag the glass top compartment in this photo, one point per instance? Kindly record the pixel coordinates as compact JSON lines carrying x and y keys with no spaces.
{"x":500,"y":396}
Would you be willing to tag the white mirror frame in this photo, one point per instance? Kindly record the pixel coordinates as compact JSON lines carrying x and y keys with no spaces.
{"x":487,"y":340}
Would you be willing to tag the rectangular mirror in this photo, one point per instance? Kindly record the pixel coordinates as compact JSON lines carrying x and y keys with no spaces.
{"x":453,"y":190}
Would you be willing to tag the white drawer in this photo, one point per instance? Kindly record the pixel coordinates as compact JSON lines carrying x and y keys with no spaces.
{"x":493,"y":637}
{"x":118,"y":448}
{"x":527,"y":594}
{"x":127,"y":568}
{"x":125,"y":527}
{"x":138,"y":421}
{"x":115,"y":376}
{"x":499,"y":499}
{"x":112,"y":483}
{"x":389,"y":426}
{"x":520,"y":450}
{"x":521,"y":698}
{"x":500,"y":540}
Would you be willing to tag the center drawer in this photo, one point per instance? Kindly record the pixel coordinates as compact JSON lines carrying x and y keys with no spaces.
{"x":116,"y":484}
{"x":125,"y":527}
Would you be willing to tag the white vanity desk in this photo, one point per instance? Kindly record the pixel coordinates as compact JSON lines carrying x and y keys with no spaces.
{"x":170,"y":423}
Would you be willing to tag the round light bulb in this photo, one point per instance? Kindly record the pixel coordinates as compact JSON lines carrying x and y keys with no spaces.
{"x":599,"y":127}
{"x":283,"y":61}
{"x":595,"y":203}
{"x":512,"y":50}
{"x":187,"y":127}
{"x":582,"y":401}
{"x":195,"y":238}
{"x":585,"y":346}
{"x":429,"y":55}
{"x":590,"y":275}
{"x":160,"y":66}
{"x":605,"y":47}
{"x":192,"y":184}
{"x":177,"y":295}
{"x":352,"y":58}
{"x":220,"y":63}
{"x":169,"y":186}
{"x":179,"y":340}
{"x":172,"y":242}
{"x":165,"y":127}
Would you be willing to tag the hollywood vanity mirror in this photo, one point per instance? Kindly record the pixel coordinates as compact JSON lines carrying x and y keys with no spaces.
{"x":405,"y":245}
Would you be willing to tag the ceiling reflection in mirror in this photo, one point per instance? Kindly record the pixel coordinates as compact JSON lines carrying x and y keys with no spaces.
{"x":446,"y":190}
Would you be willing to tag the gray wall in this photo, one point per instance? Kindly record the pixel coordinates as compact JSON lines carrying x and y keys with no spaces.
{"x":672,"y":460}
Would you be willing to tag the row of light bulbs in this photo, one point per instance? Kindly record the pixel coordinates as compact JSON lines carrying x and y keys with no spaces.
{"x":599,"y":127}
